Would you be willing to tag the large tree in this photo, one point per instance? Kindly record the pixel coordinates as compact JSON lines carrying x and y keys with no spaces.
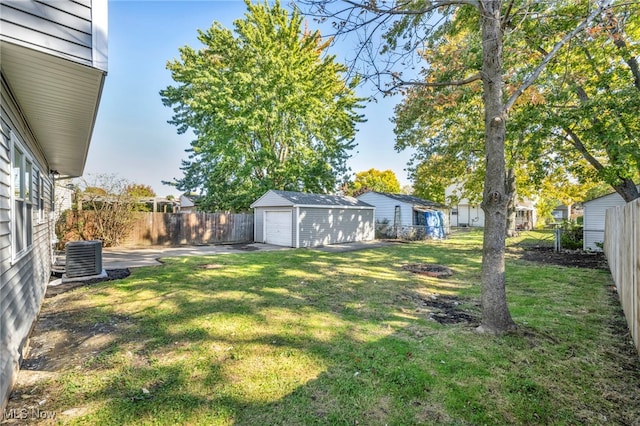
{"x":373,"y":180}
{"x":409,"y":26}
{"x":591,"y":99}
{"x":269,"y":107}
{"x":573,"y":128}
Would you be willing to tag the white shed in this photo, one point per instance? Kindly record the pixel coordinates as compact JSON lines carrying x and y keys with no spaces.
{"x":402,"y":210}
{"x":594,"y":216}
{"x":296,"y":219}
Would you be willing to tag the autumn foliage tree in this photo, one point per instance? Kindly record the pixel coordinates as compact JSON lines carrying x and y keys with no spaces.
{"x":373,"y":180}
{"x":412,"y":30}
{"x":139,"y":190}
{"x":269,"y":107}
{"x":103,"y":210}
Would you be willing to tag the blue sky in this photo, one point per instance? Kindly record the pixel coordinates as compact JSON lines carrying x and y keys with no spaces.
{"x":132,"y":138}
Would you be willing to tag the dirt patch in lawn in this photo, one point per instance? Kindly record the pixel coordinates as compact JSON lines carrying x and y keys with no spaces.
{"x":443,"y":309}
{"x":571,"y":258}
{"x":429,"y":269}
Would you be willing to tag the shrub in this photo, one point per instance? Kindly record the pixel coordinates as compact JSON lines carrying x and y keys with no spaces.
{"x":571,"y":237}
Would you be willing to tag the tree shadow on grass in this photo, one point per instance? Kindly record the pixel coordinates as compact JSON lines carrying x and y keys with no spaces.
{"x":287,"y":338}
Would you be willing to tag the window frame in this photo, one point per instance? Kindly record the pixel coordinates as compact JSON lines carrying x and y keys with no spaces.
{"x":22,"y":198}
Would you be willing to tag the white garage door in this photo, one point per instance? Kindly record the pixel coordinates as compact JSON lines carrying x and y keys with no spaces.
{"x":278,"y":228}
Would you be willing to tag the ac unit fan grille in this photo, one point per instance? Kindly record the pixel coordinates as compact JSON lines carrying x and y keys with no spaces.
{"x":84,"y":258}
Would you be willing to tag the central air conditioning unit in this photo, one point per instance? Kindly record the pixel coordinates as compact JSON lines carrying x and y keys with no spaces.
{"x":84,"y":259}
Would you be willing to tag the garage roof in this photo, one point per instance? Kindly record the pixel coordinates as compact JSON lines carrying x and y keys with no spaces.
{"x":301,"y":199}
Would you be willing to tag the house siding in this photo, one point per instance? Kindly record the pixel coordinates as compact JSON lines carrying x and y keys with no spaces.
{"x":386,"y":208}
{"x":469,"y":215}
{"x":323,"y":226}
{"x":22,"y":280}
{"x":271,"y":199}
{"x":68,"y":29}
{"x":594,"y":219}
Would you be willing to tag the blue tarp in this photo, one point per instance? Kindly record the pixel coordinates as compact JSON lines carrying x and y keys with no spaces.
{"x":434,"y":224}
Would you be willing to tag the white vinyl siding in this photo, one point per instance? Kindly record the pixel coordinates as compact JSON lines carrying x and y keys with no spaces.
{"x":594,"y":218}
{"x":470,"y":215}
{"x":272,"y":199}
{"x":386,"y":208}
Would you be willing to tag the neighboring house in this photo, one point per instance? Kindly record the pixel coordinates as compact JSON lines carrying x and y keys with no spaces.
{"x":561,"y":213}
{"x":52,"y":71}
{"x":401,"y":210}
{"x":296,"y":219}
{"x":594,"y":212}
{"x":187,"y":204}
{"x":463,"y":213}
{"x":63,"y":197}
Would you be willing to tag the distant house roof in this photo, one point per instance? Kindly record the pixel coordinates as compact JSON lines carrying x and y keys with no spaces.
{"x":186,"y":201}
{"x":305,"y":199}
{"x":411,"y":199}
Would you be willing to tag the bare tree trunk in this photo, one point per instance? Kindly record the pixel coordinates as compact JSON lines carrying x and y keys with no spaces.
{"x":511,"y":207}
{"x":495,"y":313}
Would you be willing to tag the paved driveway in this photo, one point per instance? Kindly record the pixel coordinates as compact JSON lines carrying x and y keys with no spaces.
{"x":121,"y":258}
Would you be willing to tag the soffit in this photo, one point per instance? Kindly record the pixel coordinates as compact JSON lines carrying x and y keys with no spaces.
{"x":59,"y":99}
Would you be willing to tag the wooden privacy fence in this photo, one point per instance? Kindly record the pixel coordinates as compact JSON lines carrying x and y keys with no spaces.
{"x":174,"y":229}
{"x":622,"y":248}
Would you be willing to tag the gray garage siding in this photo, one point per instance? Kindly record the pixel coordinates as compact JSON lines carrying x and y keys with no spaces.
{"x":258,"y":222}
{"x":321,"y":226}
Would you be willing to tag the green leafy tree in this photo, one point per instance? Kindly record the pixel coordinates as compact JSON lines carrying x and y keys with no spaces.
{"x":443,"y":124}
{"x":591,"y":96}
{"x":374,"y":180}
{"x":413,"y":27}
{"x":269,"y":107}
{"x":138,"y":190}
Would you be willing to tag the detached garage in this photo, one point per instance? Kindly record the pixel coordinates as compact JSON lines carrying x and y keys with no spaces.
{"x":296,"y":219}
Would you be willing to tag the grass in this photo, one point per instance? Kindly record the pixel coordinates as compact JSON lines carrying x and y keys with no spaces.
{"x":306,"y":337}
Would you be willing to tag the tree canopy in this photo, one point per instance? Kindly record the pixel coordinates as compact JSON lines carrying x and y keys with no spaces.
{"x":269,"y":107}
{"x":139,"y":190}
{"x":576,"y":126}
{"x":462,"y":44}
{"x":373,"y":180}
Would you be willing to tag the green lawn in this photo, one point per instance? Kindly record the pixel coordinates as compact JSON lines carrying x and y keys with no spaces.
{"x":306,"y":337}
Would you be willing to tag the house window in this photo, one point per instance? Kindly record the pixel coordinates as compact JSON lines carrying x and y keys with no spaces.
{"x":23,"y":198}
